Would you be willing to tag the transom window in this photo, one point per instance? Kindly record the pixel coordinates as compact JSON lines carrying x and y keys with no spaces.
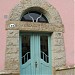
{"x":34,"y":16}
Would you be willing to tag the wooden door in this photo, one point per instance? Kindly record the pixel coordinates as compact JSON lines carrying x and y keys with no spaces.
{"x":35,"y":54}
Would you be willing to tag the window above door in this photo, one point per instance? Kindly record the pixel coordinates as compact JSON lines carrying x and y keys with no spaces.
{"x":34,"y":16}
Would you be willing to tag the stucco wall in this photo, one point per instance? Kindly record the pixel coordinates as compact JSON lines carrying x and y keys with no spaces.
{"x":65,"y":8}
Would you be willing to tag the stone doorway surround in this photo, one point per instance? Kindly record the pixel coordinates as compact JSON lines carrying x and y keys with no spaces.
{"x":14,"y":26}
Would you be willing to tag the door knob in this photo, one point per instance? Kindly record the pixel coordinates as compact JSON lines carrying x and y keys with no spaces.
{"x":36,"y":64}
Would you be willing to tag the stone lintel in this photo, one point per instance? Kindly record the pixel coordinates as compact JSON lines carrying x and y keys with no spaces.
{"x":33,"y":26}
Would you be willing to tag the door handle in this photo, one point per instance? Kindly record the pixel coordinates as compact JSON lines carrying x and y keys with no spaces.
{"x":36,"y":64}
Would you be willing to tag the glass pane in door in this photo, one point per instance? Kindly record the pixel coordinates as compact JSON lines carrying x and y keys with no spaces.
{"x":44,"y":48}
{"x":25,"y":48}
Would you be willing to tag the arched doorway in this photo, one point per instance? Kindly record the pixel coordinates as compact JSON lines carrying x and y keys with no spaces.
{"x":31,"y":41}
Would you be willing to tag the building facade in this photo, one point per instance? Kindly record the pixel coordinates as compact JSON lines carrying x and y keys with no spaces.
{"x":34,"y":40}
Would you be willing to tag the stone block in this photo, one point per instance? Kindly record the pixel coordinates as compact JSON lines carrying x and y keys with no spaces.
{"x":12,"y":64}
{"x":12,"y":42}
{"x":58,"y":42}
{"x":13,"y":34}
{"x":57,"y":35}
{"x":12,"y":49}
{"x":56,"y":49}
{"x":59,"y":55}
{"x":12,"y":56}
{"x":59,"y":63}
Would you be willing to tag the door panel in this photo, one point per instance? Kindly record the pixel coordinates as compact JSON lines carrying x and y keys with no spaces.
{"x":44,"y":53}
{"x":45,"y":69}
{"x":26,"y":67}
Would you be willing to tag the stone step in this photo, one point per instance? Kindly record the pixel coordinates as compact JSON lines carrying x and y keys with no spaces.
{"x":8,"y":73}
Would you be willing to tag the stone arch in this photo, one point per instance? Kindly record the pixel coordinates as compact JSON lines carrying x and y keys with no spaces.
{"x":50,"y":12}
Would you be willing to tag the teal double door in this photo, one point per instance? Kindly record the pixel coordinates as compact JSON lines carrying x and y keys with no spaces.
{"x":35,"y":54}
